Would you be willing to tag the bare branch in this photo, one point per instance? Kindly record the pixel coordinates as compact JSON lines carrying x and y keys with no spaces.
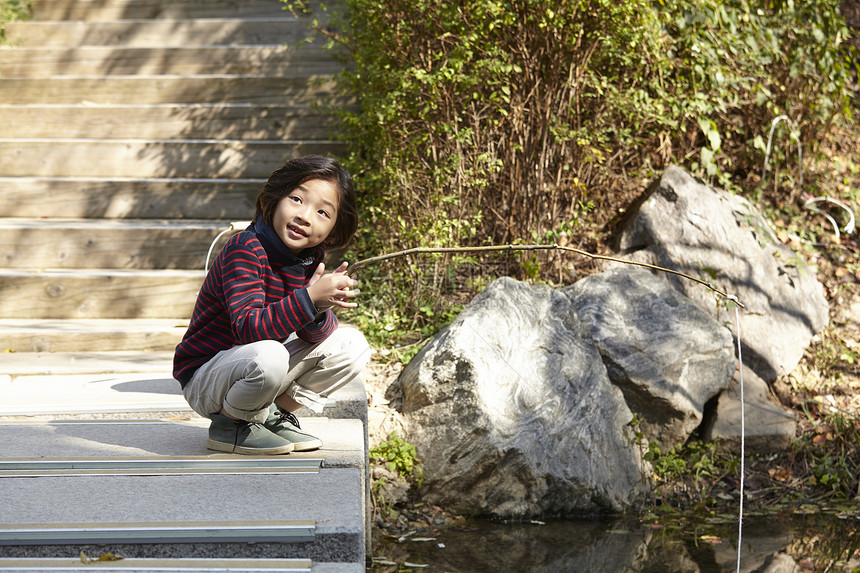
{"x":428,"y":250}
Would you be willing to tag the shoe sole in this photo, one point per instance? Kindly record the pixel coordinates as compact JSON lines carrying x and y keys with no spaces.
{"x":307,"y":446}
{"x":230,"y":448}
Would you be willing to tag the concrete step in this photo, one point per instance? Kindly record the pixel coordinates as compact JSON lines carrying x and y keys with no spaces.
{"x":158,"y":455}
{"x":142,"y":414}
{"x":75,"y":565}
{"x":22,"y":335}
{"x":62,"y":364}
{"x":148,"y":446}
{"x":316,"y":89}
{"x":86,"y":414}
{"x":165,"y":121}
{"x":97,"y":293}
{"x":157,"y":33}
{"x":110,"y":243}
{"x":277,"y":60}
{"x":163,"y":158}
{"x":120,"y":383}
{"x":331,"y":500}
{"x":176,"y":481}
{"x":112,"y":395}
{"x":146,"y":9}
{"x":103,"y":198}
{"x":149,"y":533}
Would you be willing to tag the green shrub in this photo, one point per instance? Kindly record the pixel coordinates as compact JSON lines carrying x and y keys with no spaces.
{"x":399,"y":456}
{"x":830,"y":456}
{"x":501,"y":121}
{"x":693,"y":471}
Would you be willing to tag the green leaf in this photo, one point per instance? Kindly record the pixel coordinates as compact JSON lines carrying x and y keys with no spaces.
{"x":708,"y":161}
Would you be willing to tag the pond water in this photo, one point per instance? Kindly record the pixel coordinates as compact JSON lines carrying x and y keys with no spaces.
{"x":773,"y":544}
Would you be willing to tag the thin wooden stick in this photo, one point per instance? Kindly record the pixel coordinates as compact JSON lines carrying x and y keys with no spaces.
{"x":426,"y":250}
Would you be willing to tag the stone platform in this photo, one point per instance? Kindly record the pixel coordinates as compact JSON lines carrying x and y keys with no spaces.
{"x":99,"y":459}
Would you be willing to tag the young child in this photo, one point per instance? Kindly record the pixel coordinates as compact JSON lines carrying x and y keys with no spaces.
{"x":263,"y":340}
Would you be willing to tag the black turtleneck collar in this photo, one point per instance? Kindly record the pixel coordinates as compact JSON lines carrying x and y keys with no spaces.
{"x":279,"y":254}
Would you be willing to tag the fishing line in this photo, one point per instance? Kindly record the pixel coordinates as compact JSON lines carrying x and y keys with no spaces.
{"x":234,"y":226}
{"x":743,"y":431}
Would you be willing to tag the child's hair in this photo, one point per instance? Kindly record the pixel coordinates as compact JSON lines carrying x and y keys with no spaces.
{"x":284,"y":180}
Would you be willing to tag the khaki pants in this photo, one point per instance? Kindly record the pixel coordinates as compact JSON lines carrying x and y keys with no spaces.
{"x":246,"y":379}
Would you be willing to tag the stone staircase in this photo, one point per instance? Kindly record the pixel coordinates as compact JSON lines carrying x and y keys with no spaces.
{"x":132,"y":133}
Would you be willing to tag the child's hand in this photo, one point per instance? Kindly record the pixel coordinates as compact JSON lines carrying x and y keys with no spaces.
{"x":333,"y":289}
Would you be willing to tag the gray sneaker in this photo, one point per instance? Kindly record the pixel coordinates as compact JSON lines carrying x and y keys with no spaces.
{"x":286,"y":425}
{"x":241,"y":437}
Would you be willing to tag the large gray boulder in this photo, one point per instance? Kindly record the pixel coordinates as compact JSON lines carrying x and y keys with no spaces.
{"x":668,"y":356}
{"x":521,"y":406}
{"x":705,"y":232}
{"x":512,"y":412}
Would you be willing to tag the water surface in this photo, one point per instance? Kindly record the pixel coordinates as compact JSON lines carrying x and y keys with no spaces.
{"x":773,"y":544}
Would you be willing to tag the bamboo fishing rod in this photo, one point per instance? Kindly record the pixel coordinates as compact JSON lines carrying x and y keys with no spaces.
{"x":510,"y":248}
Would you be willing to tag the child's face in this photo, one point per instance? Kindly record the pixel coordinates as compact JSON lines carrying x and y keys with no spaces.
{"x":304,"y":218}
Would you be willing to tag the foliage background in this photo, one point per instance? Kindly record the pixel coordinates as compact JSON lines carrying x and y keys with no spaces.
{"x":533,"y":121}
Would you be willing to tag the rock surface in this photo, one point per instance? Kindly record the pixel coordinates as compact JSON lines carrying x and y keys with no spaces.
{"x":687,"y":226}
{"x":513,"y":415}
{"x":666,"y":355}
{"x":767,"y":426}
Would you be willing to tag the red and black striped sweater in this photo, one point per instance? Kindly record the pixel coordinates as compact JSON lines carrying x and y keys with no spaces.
{"x":255,"y":290}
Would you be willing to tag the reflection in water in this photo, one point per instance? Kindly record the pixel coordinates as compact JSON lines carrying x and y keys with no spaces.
{"x":774,"y":544}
